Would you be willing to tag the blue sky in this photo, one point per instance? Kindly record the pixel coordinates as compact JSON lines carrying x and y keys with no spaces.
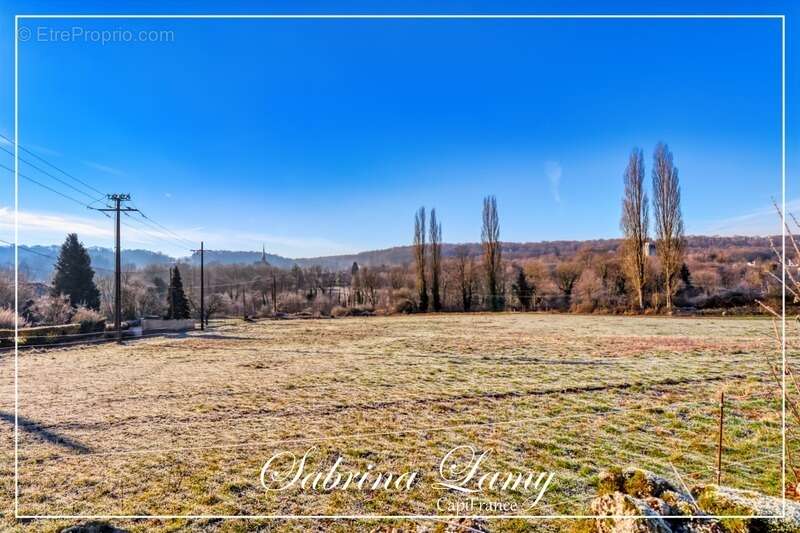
{"x":323,"y":136}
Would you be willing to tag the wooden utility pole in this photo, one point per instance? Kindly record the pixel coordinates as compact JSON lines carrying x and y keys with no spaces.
{"x":118,"y":199}
{"x":244,"y":305}
{"x":719,"y":442}
{"x":202,"y":290}
{"x":274,"y":293}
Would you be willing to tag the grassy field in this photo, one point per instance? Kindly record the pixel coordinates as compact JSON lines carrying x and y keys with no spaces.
{"x":183,"y":425}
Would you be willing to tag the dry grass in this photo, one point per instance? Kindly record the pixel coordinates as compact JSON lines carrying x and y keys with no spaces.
{"x":183,"y":425}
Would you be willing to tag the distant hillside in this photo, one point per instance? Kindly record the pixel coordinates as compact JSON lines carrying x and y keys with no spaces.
{"x":227,"y":257}
{"x":37,"y":261}
{"x":747,"y":248}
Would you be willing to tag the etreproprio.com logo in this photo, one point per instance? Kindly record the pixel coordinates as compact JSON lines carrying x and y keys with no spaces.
{"x":80,"y":34}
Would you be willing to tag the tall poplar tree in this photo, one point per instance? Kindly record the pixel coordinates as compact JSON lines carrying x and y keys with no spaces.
{"x":492,"y":252}
{"x":670,"y":242}
{"x":634,"y":223}
{"x":420,"y":257}
{"x":436,"y":261}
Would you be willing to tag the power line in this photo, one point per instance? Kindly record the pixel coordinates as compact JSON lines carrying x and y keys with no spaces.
{"x":166,"y":229}
{"x":161,"y":234}
{"x":31,"y":251}
{"x":50,"y":175}
{"x":158,"y":227}
{"x":40,"y":184}
{"x":43,"y":160}
{"x":26,"y":249}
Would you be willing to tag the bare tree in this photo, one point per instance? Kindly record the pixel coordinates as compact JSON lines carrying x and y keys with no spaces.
{"x":465,"y":276}
{"x":565,"y":276}
{"x":670,"y":243}
{"x":420,"y":254}
{"x":492,"y":252}
{"x":436,"y":261}
{"x":370,"y":283}
{"x":634,"y":223}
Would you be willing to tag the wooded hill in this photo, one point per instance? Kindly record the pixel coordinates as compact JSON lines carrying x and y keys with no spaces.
{"x":37,"y":263}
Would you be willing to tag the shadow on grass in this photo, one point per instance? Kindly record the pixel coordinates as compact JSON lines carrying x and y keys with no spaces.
{"x":219,"y":336}
{"x":29,"y":426}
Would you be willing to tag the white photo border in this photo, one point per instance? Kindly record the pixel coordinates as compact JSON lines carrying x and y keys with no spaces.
{"x":17,"y":18}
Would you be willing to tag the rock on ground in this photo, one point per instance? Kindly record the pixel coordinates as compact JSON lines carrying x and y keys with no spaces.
{"x":635,"y":492}
{"x":93,"y":527}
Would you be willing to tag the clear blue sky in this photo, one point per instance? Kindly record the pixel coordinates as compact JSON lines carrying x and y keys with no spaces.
{"x":319,"y":136}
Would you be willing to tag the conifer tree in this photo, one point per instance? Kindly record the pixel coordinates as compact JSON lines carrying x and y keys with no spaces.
{"x":523,"y":290}
{"x":177,"y":303}
{"x":686,"y":276}
{"x":74,"y":276}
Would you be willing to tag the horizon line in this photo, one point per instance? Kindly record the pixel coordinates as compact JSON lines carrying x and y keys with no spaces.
{"x":386,"y":248}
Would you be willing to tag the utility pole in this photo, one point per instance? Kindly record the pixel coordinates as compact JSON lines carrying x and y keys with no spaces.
{"x":719,"y":443}
{"x":244,"y":306}
{"x":274,"y":293}
{"x":118,"y":199}
{"x":202,"y":290}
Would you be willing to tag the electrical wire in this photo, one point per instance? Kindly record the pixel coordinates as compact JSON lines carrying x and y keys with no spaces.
{"x":50,"y":175}
{"x":68,"y":197}
{"x":43,"y":160}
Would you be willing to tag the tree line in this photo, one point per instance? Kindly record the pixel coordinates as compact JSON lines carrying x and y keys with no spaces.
{"x":629,"y":277}
{"x":669,"y":243}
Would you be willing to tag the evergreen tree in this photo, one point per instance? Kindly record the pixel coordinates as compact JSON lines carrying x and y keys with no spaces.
{"x":74,"y":276}
{"x":686,"y":276}
{"x":177,"y":304}
{"x":523,"y":290}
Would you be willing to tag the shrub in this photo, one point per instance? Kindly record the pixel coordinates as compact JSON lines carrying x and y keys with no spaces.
{"x":339,"y":311}
{"x":51,"y":310}
{"x":403,"y":301}
{"x":7,"y":317}
{"x":322,"y":305}
{"x":89,"y":319}
{"x":292,"y":303}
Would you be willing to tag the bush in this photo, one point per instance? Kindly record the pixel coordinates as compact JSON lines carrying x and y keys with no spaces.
{"x":322,"y":305}
{"x":339,"y":311}
{"x":89,"y":319}
{"x":403,"y":301}
{"x":291,"y":303}
{"x":725,"y":299}
{"x":7,"y":317}
{"x":51,"y":310}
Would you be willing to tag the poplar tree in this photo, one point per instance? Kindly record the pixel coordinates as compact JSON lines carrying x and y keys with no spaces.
{"x":670,"y":243}
{"x":492,"y":252}
{"x":436,"y":261}
{"x":420,"y":257}
{"x":634,"y":223}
